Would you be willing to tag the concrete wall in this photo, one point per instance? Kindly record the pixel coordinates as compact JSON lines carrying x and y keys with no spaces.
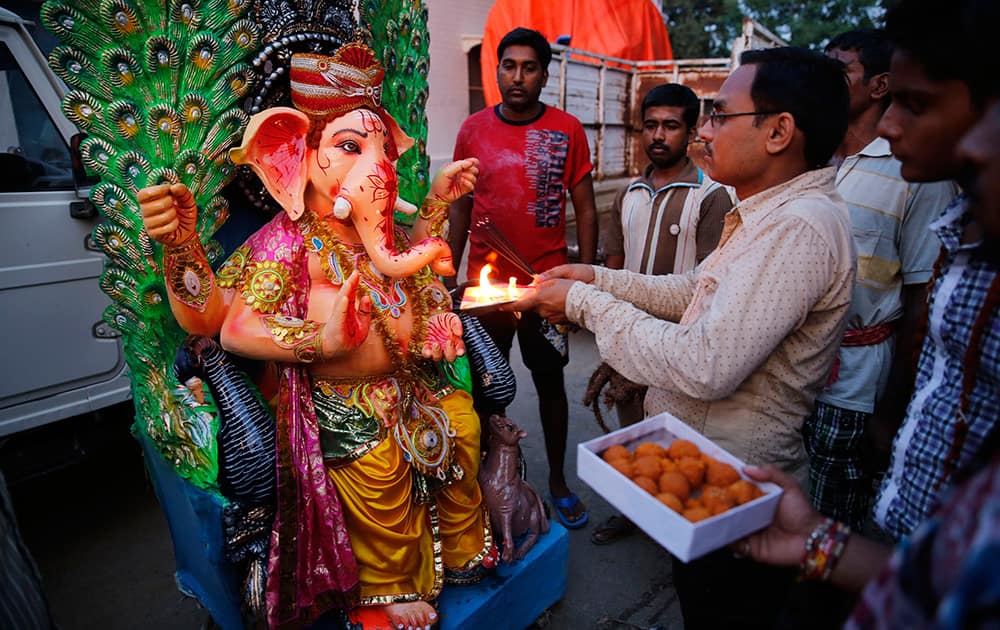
{"x":454,"y":26}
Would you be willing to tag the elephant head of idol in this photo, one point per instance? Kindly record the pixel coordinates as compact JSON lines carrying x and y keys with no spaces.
{"x":335,"y":153}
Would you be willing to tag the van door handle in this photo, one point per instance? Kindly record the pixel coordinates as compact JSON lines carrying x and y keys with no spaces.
{"x":82,"y":209}
{"x":101,"y":330}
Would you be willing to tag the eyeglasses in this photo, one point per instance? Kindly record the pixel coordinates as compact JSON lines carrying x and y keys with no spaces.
{"x":716,"y":119}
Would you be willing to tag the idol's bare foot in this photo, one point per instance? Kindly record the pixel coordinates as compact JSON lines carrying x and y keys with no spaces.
{"x":413,"y":615}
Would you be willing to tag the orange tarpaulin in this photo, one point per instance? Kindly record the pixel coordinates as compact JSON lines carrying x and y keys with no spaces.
{"x":628,"y":29}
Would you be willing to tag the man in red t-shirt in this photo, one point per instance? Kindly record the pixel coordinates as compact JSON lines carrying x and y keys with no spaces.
{"x":529,"y":154}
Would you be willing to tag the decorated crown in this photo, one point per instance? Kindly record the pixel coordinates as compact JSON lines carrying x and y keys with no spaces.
{"x":324,"y":86}
{"x":350,"y":79}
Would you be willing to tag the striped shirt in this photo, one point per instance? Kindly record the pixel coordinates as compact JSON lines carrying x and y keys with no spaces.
{"x":22,"y":603}
{"x":646,"y":224}
{"x":937,"y":439}
{"x":889,"y":222}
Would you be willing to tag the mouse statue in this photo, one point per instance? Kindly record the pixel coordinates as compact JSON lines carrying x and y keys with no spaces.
{"x":515,"y":507}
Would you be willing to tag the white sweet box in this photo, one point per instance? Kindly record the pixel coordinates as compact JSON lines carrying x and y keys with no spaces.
{"x":681,"y":537}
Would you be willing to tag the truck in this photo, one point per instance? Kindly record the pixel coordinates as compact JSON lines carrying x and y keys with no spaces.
{"x":61,"y":361}
{"x":603,"y":92}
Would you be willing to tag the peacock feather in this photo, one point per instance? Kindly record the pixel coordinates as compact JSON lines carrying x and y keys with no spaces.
{"x":157,"y":86}
{"x":160,"y":87}
{"x":398,"y":30}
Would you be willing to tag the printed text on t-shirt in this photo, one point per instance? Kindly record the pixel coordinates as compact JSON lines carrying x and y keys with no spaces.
{"x":546,"y":151}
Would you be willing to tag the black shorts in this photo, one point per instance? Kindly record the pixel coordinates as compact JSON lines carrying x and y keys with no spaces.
{"x":537,"y":350}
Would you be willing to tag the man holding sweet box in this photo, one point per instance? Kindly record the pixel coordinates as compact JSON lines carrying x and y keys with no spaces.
{"x":739,"y":347}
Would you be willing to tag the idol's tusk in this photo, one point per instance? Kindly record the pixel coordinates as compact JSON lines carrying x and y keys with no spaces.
{"x":404,"y":206}
{"x":341,"y":208}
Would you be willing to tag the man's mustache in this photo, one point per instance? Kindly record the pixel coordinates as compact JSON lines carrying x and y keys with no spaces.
{"x":658,"y":145}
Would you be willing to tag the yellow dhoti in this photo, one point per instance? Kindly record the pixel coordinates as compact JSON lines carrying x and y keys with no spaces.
{"x":402,"y":545}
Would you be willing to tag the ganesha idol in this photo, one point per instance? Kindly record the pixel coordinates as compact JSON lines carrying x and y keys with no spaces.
{"x":378,"y":450}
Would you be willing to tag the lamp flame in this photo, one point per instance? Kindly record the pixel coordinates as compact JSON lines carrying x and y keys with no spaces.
{"x":488,"y":293}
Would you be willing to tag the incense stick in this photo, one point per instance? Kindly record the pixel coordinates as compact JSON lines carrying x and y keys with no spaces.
{"x":496,"y":241}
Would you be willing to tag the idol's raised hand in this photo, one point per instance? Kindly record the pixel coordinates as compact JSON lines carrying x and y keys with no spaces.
{"x":455,"y":180}
{"x":169,"y":213}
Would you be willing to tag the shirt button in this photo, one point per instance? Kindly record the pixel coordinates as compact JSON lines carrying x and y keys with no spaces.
{"x":675,"y":229}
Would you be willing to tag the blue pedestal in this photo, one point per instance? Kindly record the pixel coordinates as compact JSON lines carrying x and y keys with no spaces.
{"x":510,"y":599}
{"x":516,"y":595}
{"x":195,"y":520}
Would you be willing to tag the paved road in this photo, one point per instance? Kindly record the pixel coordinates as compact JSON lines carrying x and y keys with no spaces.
{"x":105,"y":554}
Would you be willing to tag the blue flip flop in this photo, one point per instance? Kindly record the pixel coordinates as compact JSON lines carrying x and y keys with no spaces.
{"x":568,"y":503}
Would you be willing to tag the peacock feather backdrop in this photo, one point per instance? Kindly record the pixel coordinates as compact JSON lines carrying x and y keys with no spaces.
{"x":399,"y":30}
{"x":163,"y":89}
{"x":157,"y":87}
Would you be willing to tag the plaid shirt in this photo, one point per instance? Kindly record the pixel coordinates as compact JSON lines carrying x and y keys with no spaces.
{"x":945,"y":575}
{"x":933,"y":444}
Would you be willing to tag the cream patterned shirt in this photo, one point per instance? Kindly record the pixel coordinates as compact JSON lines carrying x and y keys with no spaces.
{"x":739,"y":347}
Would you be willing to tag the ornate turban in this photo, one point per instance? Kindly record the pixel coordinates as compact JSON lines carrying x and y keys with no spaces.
{"x":333,"y":86}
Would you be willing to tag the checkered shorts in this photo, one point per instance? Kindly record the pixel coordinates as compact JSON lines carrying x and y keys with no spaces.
{"x":837,"y":484}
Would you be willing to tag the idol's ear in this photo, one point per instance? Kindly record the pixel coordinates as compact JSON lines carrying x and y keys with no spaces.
{"x":401,"y":142}
{"x":274,"y":146}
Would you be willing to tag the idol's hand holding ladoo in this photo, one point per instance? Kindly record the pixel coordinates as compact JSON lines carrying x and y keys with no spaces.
{"x":444,"y":338}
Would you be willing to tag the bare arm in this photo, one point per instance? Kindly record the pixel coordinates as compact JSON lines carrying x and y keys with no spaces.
{"x":614,"y":237}
{"x":891,"y":409}
{"x":586,"y":218}
{"x":460,"y":217}
{"x":169,"y":216}
{"x":918,"y":247}
{"x":276,"y":338}
{"x":783,"y":542}
{"x":614,"y":262}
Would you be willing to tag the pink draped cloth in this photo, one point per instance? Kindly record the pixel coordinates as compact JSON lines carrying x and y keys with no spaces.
{"x":311,"y":567}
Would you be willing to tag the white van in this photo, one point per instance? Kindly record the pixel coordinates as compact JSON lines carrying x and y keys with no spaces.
{"x":59,"y":358}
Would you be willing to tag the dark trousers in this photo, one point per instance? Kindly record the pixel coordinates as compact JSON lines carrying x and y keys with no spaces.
{"x":543,"y":361}
{"x":722,"y":591}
